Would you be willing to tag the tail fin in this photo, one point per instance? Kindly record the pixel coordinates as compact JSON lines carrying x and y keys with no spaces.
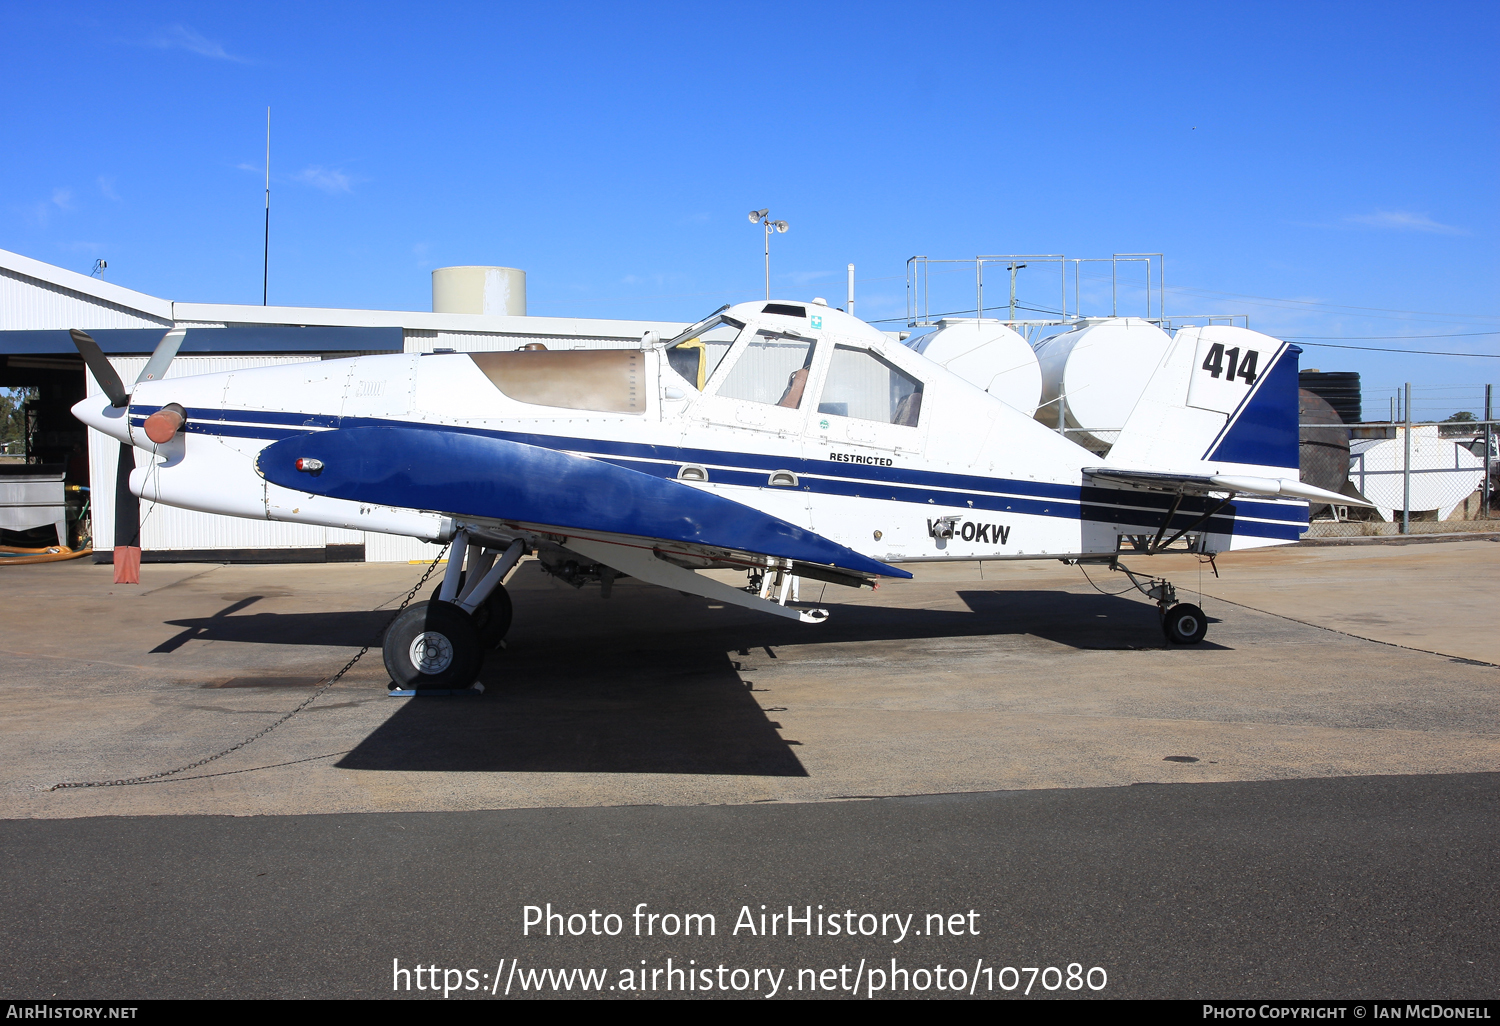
{"x":1222,"y":397}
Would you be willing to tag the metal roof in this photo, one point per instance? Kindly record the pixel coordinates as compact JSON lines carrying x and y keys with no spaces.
{"x":256,"y":338}
{"x":118,"y":318}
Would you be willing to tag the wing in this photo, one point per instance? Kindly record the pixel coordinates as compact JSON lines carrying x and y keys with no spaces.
{"x":610,"y":513}
{"x":1203,"y":484}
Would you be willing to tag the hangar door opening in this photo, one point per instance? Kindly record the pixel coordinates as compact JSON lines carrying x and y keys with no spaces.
{"x":44,"y":466}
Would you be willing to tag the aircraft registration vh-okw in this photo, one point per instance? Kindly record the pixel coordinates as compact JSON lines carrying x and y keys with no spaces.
{"x":787,"y":440}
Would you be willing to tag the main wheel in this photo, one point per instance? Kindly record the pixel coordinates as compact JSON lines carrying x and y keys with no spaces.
{"x":433,"y":645}
{"x":493,"y":618}
{"x":1185,"y":624}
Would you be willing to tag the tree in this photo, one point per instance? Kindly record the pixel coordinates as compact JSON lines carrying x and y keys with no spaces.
{"x":13,"y":416}
{"x":1461,"y":417}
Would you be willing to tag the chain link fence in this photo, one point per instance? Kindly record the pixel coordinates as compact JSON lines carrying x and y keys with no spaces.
{"x":1423,"y":474}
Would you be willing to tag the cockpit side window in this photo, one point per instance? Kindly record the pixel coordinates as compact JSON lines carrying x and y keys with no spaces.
{"x":862,"y":386}
{"x":697,"y":358}
{"x":773,"y":370}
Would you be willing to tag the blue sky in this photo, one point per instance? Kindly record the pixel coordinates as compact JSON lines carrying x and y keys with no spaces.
{"x":1328,"y":169}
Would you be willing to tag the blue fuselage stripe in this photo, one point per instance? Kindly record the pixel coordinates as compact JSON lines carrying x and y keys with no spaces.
{"x":893,"y":484}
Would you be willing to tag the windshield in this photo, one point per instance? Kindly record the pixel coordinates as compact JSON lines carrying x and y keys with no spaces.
{"x":697,"y":352}
{"x":702,"y":325}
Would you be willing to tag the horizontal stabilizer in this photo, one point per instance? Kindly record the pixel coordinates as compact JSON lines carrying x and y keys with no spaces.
{"x":1202,"y":484}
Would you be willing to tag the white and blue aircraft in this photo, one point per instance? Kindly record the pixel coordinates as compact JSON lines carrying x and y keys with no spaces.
{"x":788,"y":440}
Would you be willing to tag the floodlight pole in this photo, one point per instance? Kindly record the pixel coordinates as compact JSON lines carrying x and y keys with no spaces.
{"x":768,"y":258}
{"x":763,"y":217}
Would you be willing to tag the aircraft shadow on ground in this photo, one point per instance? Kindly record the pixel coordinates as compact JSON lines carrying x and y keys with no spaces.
{"x":1099,"y":622}
{"x":583,"y":709}
{"x":344,"y":629}
{"x":659,"y":617}
{"x":653,"y":685}
{"x":1104,"y":622}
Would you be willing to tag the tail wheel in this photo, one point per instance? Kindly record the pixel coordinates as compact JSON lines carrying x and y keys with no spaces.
{"x":433,"y":645}
{"x":1185,"y":624}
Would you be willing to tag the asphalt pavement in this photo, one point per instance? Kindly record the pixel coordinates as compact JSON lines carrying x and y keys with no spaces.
{"x":1353,"y":887}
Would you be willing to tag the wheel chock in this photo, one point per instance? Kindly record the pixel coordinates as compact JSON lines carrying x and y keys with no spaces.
{"x":475,"y":689}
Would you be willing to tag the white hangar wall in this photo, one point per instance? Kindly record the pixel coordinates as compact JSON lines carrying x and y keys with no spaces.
{"x":420,"y":341}
{"x":49,"y":298}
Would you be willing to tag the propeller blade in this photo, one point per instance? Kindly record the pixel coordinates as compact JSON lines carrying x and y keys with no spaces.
{"x":92,"y":355}
{"x":166,"y":350}
{"x":127,"y":521}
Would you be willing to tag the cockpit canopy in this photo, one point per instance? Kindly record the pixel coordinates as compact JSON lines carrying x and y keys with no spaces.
{"x":773,"y":362}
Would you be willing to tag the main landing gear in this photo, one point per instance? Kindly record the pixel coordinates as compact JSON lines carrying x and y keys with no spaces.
{"x":440,"y":644}
{"x":1181,"y":622}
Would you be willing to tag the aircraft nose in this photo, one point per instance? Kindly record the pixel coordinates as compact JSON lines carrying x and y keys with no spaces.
{"x":97,"y":412}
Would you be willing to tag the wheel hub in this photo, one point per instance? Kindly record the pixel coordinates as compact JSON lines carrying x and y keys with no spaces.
{"x":431,"y":652}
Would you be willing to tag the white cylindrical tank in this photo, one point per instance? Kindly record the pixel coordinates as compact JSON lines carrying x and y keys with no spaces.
{"x":479,"y":290}
{"x":1443,"y":471}
{"x":1096,"y":373}
{"x":989,"y":355}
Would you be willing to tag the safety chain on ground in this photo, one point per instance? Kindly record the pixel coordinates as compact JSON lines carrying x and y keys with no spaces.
{"x":330,"y":682}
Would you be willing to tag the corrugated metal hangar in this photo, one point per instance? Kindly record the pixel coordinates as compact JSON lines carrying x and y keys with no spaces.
{"x":475,"y":310}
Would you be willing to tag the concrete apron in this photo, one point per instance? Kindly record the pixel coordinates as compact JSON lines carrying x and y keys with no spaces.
{"x":971,"y":677}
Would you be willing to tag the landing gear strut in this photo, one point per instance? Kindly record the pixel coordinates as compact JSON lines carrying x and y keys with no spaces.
{"x":1181,"y":622}
{"x":440,"y":644}
{"x":492,"y":616}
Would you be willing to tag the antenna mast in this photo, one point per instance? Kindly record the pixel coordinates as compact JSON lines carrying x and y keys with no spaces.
{"x":266,"y":266}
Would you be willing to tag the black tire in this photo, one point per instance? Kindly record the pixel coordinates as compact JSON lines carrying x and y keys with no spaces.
{"x":449,"y":656}
{"x":1185,"y":624}
{"x":493,"y":618}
